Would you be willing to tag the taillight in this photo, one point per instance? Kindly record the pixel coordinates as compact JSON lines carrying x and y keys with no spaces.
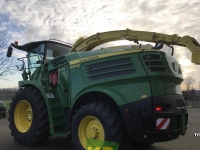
{"x":158,"y":108}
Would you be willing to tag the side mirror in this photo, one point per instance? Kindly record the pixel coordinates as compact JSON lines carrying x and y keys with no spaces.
{"x":9,"y":51}
{"x":20,"y":67}
{"x":159,"y":45}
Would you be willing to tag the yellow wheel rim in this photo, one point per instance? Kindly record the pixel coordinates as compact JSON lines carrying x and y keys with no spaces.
{"x":90,"y":127}
{"x":23,"y":116}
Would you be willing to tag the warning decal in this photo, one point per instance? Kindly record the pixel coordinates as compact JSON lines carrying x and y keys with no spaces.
{"x":162,"y":123}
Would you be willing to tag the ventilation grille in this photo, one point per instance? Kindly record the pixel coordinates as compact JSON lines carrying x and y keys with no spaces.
{"x":154,"y":63}
{"x":59,"y":61}
{"x":111,"y":68}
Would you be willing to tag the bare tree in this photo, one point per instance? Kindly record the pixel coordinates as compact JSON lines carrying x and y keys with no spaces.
{"x":7,"y":93}
{"x":7,"y":65}
{"x":188,"y":82}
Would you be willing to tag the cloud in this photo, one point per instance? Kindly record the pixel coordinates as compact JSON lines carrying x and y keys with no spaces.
{"x":68,"y":20}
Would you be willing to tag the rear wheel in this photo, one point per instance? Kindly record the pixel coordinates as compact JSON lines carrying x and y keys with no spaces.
{"x":28,"y":117}
{"x":4,"y":116}
{"x":95,"y":121}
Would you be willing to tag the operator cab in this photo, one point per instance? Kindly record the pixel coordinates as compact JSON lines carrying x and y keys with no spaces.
{"x":39,"y":52}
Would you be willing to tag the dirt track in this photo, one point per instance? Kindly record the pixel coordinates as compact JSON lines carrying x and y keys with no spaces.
{"x":187,"y":142}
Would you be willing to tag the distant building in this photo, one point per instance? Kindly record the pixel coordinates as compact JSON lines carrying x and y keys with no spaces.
{"x":189,"y":95}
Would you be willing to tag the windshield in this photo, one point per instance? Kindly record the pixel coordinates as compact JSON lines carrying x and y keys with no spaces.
{"x":1,"y":105}
{"x":36,"y":58}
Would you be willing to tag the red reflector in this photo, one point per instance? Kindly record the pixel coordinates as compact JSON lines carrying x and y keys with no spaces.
{"x":55,"y":79}
{"x":158,"y":108}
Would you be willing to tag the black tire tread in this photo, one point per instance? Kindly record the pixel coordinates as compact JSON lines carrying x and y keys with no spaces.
{"x":113,"y":122}
{"x":42,"y":132}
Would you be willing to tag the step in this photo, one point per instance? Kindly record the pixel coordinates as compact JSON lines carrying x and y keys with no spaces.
{"x":55,"y":104}
{"x":57,"y":115}
{"x":60,"y":128}
{"x":61,"y":133}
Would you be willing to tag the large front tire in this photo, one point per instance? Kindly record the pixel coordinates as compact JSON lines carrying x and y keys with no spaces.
{"x":28,"y":117}
{"x":97,"y":121}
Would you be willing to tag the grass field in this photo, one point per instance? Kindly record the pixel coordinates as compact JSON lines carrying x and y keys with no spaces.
{"x":7,"y":103}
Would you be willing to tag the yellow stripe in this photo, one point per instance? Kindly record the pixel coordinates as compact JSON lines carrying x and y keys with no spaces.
{"x":105,"y":55}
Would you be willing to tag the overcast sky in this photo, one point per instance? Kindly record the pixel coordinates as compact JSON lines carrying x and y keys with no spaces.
{"x":67,"y":20}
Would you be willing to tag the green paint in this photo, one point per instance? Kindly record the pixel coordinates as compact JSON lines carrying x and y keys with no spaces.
{"x":101,"y":145}
{"x":124,"y":75}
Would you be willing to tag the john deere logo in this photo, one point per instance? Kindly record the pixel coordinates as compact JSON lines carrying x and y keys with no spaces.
{"x":93,"y":144}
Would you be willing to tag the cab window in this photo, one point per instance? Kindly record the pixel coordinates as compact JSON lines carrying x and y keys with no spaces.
{"x":54,"y":50}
